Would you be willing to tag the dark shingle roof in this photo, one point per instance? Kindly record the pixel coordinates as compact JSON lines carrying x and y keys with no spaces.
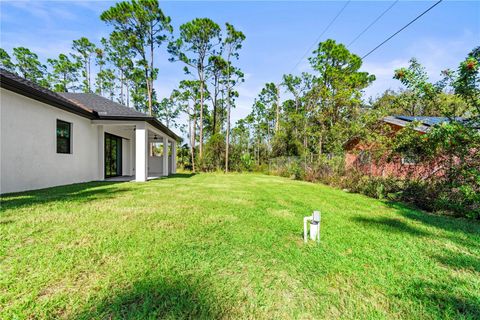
{"x":87,"y":105}
{"x":110,"y":110}
{"x":425,"y":123}
{"x":103,"y":106}
{"x":402,"y":123}
{"x":32,"y":90}
{"x":428,"y":121}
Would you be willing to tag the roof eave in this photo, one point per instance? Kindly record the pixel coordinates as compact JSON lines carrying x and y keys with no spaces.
{"x":151,"y":120}
{"x":27,"y":91}
{"x":156,"y":123}
{"x":402,"y":123}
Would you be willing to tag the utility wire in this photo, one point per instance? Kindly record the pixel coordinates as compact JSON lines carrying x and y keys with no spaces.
{"x":404,"y":27}
{"x":320,"y":36}
{"x":373,"y":22}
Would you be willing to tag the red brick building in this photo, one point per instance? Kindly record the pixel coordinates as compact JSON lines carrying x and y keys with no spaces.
{"x":359,"y":155}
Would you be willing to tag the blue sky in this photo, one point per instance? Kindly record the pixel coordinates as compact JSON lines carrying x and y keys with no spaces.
{"x":278,"y":35}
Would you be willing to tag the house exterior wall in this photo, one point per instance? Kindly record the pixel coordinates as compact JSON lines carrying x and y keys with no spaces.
{"x":28,"y":151}
{"x":383,"y":167}
{"x":155,"y":165}
{"x":393,"y":168}
{"x":29,"y":158}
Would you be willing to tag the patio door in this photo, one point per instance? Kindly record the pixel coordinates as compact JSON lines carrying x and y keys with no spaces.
{"x":113,"y":155}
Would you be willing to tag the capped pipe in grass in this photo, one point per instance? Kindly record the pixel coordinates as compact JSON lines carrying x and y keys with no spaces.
{"x":315,"y":221}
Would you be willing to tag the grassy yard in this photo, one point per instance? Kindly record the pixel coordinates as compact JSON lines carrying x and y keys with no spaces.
{"x":230,"y":246}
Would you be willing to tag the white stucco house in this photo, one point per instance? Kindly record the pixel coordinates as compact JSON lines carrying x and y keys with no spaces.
{"x":50,"y":139}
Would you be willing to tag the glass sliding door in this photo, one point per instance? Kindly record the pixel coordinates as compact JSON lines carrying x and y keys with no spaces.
{"x":113,"y":155}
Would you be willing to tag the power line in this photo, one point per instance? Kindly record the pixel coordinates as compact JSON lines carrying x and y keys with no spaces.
{"x":320,"y":36}
{"x":393,"y":35}
{"x":373,"y":22}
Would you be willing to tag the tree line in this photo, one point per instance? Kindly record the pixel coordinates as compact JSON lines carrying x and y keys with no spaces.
{"x":310,"y":116}
{"x":314,"y":116}
{"x":122,"y":67}
{"x":321,"y":111}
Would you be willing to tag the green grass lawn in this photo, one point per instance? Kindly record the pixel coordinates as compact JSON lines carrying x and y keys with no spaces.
{"x":230,"y":246}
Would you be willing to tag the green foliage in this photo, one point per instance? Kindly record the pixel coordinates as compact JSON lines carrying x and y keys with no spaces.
{"x":194,"y":47}
{"x":285,"y":144}
{"x":214,"y":153}
{"x":451,"y":146}
{"x":421,"y":95}
{"x":325,"y":110}
{"x":143,"y":26}
{"x":5,"y":61}
{"x":168,"y":110}
{"x":84,"y":50}
{"x":467,"y":83}
{"x":232,"y":44}
{"x":64,"y":73}
{"x":246,"y":162}
{"x":333,"y":118}
{"x":120,"y":55}
{"x":29,"y":66}
{"x":196,"y":43}
{"x":209,"y":58}
{"x":106,"y":83}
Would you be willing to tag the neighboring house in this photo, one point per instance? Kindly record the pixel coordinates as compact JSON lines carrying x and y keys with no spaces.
{"x":359,"y":155}
{"x":50,"y":139}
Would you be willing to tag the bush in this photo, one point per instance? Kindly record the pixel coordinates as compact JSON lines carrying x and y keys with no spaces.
{"x":434,"y":197}
{"x":459,"y":197}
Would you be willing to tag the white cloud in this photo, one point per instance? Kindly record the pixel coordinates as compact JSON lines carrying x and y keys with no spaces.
{"x":384,"y":75}
{"x":44,"y":10}
{"x":434,"y":54}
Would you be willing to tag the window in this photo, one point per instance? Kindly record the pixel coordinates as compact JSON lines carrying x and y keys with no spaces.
{"x":64,"y":137}
{"x":409,"y":159}
{"x":364,"y":157}
{"x":156,"y":149}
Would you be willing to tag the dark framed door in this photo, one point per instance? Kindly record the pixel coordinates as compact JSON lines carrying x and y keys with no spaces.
{"x":113,"y":155}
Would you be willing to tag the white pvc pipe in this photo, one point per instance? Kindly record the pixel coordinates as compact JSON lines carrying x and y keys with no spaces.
{"x":314,"y":226}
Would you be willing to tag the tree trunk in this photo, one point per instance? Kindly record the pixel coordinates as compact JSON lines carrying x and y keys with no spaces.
{"x":227,"y":138}
{"x":149,"y":91}
{"x":149,"y":97}
{"x":277,"y":121}
{"x":122,"y":83}
{"x":215,"y":111}
{"x":127,"y":89}
{"x":150,"y":78}
{"x":100,"y":82}
{"x":192,"y":137}
{"x":88,"y":75}
{"x":320,"y":145}
{"x":227,"y":135}
{"x":201,"y":118}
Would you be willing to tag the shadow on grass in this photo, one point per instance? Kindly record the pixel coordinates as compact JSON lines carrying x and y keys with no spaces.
{"x":173,"y":176}
{"x":442,"y":222}
{"x":462,"y":231}
{"x":389,"y":225}
{"x":460,"y":261}
{"x":184,"y":175}
{"x":74,"y":193}
{"x":446,"y":299}
{"x":157,"y":299}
